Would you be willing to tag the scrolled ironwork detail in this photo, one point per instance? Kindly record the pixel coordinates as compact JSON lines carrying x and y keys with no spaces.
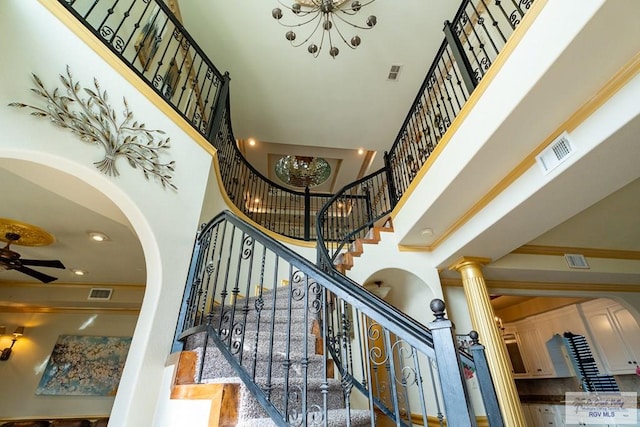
{"x":247,"y":246}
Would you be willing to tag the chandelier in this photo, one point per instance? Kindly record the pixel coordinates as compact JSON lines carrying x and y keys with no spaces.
{"x":302,"y":171}
{"x":328,"y":14}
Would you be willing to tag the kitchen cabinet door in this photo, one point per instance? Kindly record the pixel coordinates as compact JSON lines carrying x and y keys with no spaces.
{"x":630,"y":331}
{"x":534,"y":349}
{"x":616,"y":335}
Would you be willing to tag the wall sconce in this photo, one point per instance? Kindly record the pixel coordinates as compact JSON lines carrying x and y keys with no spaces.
{"x":16,"y":334}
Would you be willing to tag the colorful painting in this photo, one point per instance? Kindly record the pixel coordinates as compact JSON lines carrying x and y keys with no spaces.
{"x":85,"y":366}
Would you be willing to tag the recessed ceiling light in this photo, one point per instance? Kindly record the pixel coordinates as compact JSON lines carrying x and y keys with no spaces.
{"x":427,"y":232}
{"x":360,"y":151}
{"x":252,"y":142}
{"x":78,"y":272}
{"x":96,"y":236}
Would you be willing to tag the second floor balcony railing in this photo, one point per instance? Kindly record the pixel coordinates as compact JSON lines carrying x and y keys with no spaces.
{"x":473,"y":40}
{"x":147,"y":36}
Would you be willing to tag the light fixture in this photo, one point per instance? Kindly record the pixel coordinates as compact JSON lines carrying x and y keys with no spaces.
{"x":427,"y":232}
{"x":328,"y":14}
{"x":302,"y":171}
{"x":360,"y":151}
{"x":379,"y":290}
{"x":16,"y":334}
{"x":252,"y":142}
{"x":97,"y":236}
{"x":78,"y":272}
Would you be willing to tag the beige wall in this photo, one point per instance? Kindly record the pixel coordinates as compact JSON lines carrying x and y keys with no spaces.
{"x":21,"y":374}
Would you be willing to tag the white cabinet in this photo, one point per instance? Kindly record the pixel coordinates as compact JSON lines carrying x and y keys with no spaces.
{"x":616,"y":334}
{"x":526,"y":343}
{"x":534,"y":351}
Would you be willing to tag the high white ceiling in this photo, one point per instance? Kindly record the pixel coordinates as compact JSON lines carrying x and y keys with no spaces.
{"x":281,"y":94}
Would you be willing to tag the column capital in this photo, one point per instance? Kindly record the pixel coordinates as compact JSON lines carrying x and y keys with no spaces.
{"x":467,"y":261}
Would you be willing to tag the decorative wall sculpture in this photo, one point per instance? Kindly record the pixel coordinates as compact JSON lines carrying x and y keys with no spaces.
{"x":95,"y":121}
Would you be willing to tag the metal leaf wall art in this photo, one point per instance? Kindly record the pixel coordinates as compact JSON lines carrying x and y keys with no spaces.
{"x":94,"y":120}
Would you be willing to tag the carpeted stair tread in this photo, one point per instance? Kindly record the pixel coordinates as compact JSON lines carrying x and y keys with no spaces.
{"x":335,"y":418}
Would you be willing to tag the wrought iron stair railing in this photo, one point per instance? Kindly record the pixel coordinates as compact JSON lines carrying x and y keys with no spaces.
{"x":147,"y":36}
{"x":152,"y":42}
{"x":473,"y":40}
{"x":282,"y":324}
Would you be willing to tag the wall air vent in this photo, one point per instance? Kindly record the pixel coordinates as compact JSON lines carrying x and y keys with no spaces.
{"x":555,"y":153}
{"x":100,"y":294}
{"x":576,"y":261}
{"x":394,"y":72}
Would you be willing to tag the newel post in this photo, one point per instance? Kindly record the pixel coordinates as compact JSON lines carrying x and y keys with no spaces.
{"x":218,"y":108}
{"x":307,"y":214}
{"x":485,"y":382}
{"x":457,"y":404}
{"x":466,"y":70}
{"x":393,"y":195}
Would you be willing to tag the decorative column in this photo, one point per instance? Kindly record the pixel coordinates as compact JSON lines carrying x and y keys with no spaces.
{"x":483,"y":321}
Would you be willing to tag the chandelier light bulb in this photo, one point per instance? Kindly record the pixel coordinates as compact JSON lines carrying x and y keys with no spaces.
{"x":330,"y":16}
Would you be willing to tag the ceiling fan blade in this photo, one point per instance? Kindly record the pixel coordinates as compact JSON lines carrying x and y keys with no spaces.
{"x":42,"y":263}
{"x":36,"y":274}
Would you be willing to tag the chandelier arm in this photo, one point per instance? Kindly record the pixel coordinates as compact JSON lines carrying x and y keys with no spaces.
{"x":310,"y":35}
{"x":335,"y":25}
{"x":351,"y":11}
{"x":302,"y":23}
{"x":313,"y":9}
{"x":350,"y":23}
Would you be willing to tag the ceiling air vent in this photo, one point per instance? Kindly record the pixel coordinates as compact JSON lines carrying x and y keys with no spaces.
{"x":102,"y":294}
{"x":394,"y":72}
{"x":576,"y":261}
{"x":555,"y":153}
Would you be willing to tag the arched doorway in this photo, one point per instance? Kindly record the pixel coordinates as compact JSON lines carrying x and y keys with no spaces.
{"x":70,"y":205}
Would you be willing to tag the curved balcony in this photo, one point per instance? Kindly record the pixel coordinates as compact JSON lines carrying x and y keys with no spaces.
{"x":148,"y":37}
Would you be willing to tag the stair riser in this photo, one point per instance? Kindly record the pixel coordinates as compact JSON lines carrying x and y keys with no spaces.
{"x":250,"y":408}
{"x":217,"y":367}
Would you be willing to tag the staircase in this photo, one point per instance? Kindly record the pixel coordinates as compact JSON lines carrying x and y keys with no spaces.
{"x":344,"y":261}
{"x":279,"y":353}
{"x":304,"y":347}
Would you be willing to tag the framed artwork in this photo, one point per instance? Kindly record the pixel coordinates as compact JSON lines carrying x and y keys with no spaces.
{"x":170,"y":80}
{"x":84,"y":366}
{"x":147,"y":44}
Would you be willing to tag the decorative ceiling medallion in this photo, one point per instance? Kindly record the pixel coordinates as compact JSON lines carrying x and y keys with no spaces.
{"x":30,"y":235}
{"x":302,"y":171}
{"x":95,"y":121}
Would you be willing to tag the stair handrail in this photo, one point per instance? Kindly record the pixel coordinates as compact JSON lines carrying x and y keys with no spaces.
{"x":244,"y":184}
{"x":387,"y":315}
{"x":339,"y":222}
{"x":151,"y":41}
{"x":462,"y":60}
{"x":223,"y":266}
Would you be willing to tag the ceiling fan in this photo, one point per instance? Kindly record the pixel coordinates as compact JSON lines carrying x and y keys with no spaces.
{"x":10,"y":260}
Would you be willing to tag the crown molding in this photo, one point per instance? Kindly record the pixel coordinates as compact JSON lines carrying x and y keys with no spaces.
{"x":587,"y":252}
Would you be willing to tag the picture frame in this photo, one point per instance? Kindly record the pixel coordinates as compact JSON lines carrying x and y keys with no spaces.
{"x":147,"y":44}
{"x":82,"y":365}
{"x":170,"y":80}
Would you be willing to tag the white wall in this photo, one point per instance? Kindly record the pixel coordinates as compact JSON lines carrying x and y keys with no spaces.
{"x":165,"y":221}
{"x":22,"y":372}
